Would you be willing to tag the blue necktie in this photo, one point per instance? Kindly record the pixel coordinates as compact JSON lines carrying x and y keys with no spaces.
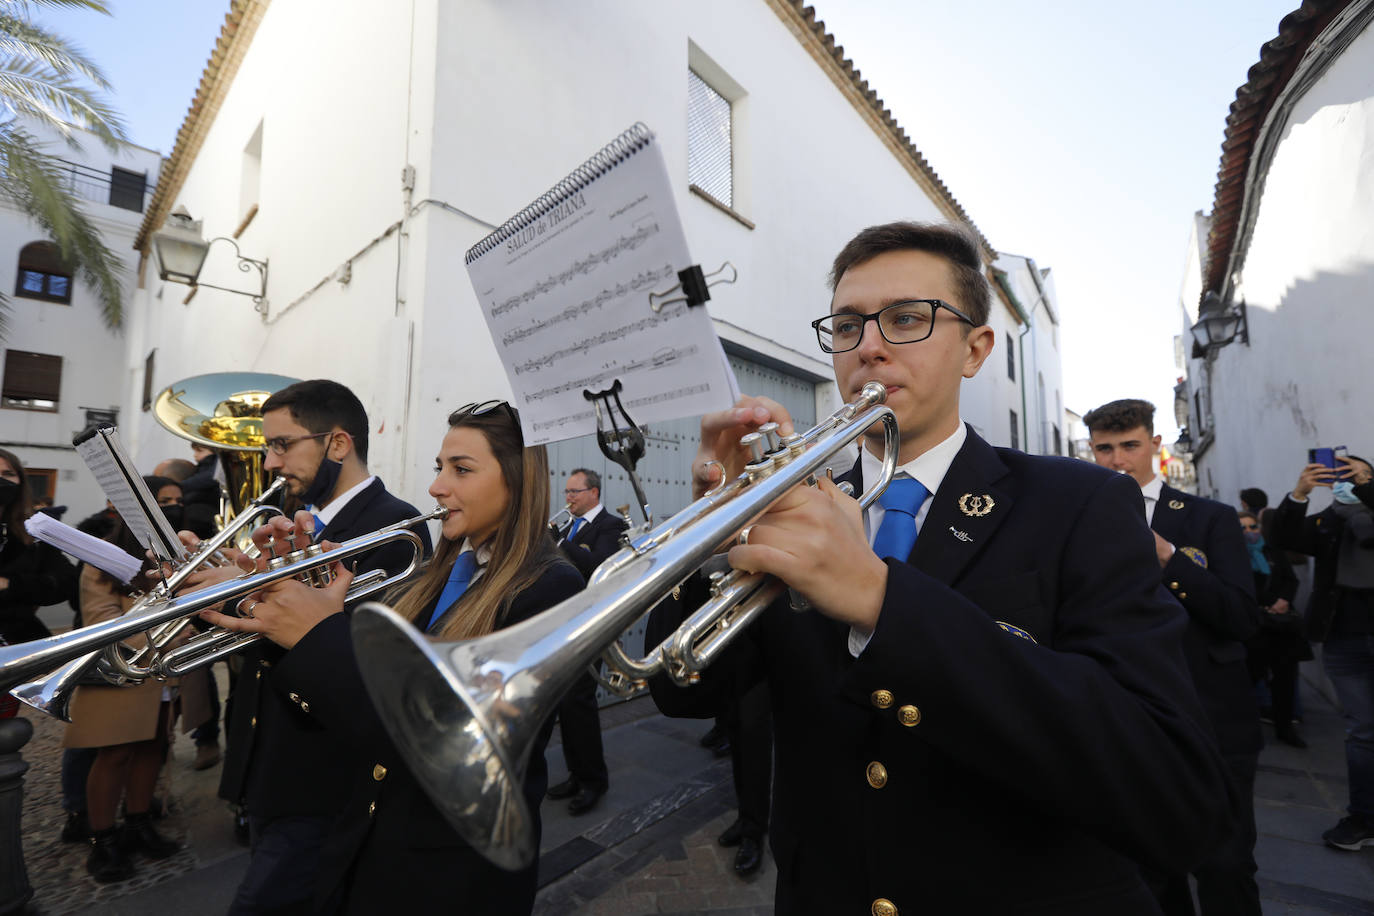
{"x":458,"y":579}
{"x":319,"y":525}
{"x":897,"y":534}
{"x":577,"y":522}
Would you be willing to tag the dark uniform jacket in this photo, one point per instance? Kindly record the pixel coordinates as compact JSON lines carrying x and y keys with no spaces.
{"x":1020,"y":727}
{"x":280,"y":761}
{"x":1318,"y":537}
{"x":392,"y":848}
{"x":1209,"y":574}
{"x":39,"y":575}
{"x":594,"y":541}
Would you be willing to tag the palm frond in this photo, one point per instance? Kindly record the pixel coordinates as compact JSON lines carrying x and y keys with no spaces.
{"x":33,"y":182}
{"x":32,"y":87}
{"x":24,"y":6}
{"x":22,"y":39}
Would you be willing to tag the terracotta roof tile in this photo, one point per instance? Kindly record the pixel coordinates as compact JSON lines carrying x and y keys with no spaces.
{"x":1265,"y":80}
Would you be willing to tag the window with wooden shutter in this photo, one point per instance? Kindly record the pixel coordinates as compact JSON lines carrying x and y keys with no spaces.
{"x":33,"y":381}
{"x":42,"y":275}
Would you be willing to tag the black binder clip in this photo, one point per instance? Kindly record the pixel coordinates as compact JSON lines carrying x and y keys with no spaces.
{"x":693,"y":286}
{"x":623,"y":442}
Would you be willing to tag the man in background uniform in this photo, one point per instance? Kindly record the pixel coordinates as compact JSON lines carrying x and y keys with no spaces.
{"x":592,"y":535}
{"x":1204,"y":565}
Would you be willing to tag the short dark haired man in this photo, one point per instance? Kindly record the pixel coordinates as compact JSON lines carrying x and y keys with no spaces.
{"x":591,"y":535}
{"x":1253,"y":499}
{"x":1204,"y":565}
{"x":1004,"y":694}
{"x":1340,"y":614}
{"x":282,"y":765}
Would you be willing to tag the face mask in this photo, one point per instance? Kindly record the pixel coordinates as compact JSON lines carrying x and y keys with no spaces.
{"x":326,"y":475}
{"x":1344,"y":493}
{"x":175,"y":515}
{"x":9,"y":492}
{"x":1252,"y":537}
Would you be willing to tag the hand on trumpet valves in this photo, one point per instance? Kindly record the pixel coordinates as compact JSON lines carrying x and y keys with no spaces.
{"x":287,"y":610}
{"x":720,"y":455}
{"x":813,"y":539}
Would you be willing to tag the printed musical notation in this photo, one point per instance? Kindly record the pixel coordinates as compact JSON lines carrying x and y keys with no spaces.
{"x":565,"y":286}
{"x":643,"y":281}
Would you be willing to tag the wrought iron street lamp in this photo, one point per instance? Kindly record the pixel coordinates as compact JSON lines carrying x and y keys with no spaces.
{"x":1217,"y":325}
{"x":181,"y":252}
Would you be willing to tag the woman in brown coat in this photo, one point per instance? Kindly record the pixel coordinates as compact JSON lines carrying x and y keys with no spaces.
{"x":130,"y":727}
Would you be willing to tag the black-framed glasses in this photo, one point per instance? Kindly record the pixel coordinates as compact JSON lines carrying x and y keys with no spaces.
{"x":478,"y":408}
{"x":278,"y":445}
{"x":908,"y":321}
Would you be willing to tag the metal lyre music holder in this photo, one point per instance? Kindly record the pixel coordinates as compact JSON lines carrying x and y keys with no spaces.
{"x":622,"y":442}
{"x":693,"y":286}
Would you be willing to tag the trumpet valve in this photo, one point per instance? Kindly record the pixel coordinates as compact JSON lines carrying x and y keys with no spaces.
{"x":320,"y":576}
{"x":770,"y":433}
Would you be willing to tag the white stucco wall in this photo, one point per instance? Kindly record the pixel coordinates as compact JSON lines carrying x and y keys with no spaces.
{"x":1307,"y":281}
{"x":492,"y":103}
{"x":93,"y":367}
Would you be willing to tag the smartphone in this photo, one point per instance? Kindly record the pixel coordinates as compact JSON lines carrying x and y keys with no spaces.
{"x":1327,"y":456}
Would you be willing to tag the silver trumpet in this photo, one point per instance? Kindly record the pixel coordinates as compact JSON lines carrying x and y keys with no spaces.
{"x":69,"y":656}
{"x":466,"y":714}
{"x":559,"y":519}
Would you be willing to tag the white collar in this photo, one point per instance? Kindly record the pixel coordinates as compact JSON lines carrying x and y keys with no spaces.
{"x":930,"y":467}
{"x":592,"y":513}
{"x":1152,"y":489}
{"x":483,"y":553}
{"x":327,"y":513}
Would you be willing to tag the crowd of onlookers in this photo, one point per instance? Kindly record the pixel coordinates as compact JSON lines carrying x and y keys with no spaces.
{"x":1338,"y":613}
{"x":117,"y":741}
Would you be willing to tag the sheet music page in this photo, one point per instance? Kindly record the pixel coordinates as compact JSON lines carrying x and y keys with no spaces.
{"x":124,"y":487}
{"x":566,"y":299}
{"x":85,"y":547}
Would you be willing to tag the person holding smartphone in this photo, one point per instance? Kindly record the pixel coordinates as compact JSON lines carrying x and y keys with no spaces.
{"x":1341,"y":613}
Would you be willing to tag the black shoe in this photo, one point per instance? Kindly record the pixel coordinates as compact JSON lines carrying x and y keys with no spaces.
{"x":732,"y":835}
{"x":1266,"y":715}
{"x":242,"y":835}
{"x":585,"y":800}
{"x":140,"y":836}
{"x":1288,"y":734}
{"x":565,"y":789}
{"x":713,"y":737}
{"x":77,"y":829}
{"x":109,"y":860}
{"x":749,"y":857}
{"x":1351,"y":833}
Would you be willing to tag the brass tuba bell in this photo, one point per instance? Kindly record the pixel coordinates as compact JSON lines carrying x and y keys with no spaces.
{"x":223,"y":411}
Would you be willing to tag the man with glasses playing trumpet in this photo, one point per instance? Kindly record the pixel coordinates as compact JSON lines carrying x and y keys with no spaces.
{"x":987,"y":709}
{"x":281,"y":765}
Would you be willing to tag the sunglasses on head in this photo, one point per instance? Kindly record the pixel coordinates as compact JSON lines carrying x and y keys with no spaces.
{"x":480,"y":408}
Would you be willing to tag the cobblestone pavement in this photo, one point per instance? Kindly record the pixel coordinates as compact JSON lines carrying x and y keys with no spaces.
{"x":650,"y":846}
{"x":57,"y":870}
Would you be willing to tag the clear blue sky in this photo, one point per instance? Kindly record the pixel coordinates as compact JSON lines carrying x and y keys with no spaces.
{"x":1082,"y":134}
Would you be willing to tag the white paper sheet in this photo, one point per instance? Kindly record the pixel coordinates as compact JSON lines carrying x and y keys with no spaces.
{"x":565,"y":291}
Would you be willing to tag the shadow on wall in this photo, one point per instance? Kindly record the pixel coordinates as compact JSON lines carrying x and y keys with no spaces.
{"x":1307,"y":377}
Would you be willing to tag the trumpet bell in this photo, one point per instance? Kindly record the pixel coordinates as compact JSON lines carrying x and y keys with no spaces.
{"x":425,"y":697}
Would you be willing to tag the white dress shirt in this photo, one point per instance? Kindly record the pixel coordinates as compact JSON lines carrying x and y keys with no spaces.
{"x":326,"y":513}
{"x":1151,"y":493}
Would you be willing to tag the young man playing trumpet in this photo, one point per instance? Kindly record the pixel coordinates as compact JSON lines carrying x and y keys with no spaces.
{"x":988,"y":709}
{"x":282,"y":766}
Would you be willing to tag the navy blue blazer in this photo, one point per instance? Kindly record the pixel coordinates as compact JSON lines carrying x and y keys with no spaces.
{"x":1019,"y":731}
{"x":391,"y":847}
{"x":594,"y":541}
{"x":1209,"y":574}
{"x":278,"y":760}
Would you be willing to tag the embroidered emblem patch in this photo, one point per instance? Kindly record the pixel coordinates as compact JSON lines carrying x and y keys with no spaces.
{"x":1197,"y":556}
{"x":1177,"y":504}
{"x":1015,"y":631}
{"x":976,"y":506}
